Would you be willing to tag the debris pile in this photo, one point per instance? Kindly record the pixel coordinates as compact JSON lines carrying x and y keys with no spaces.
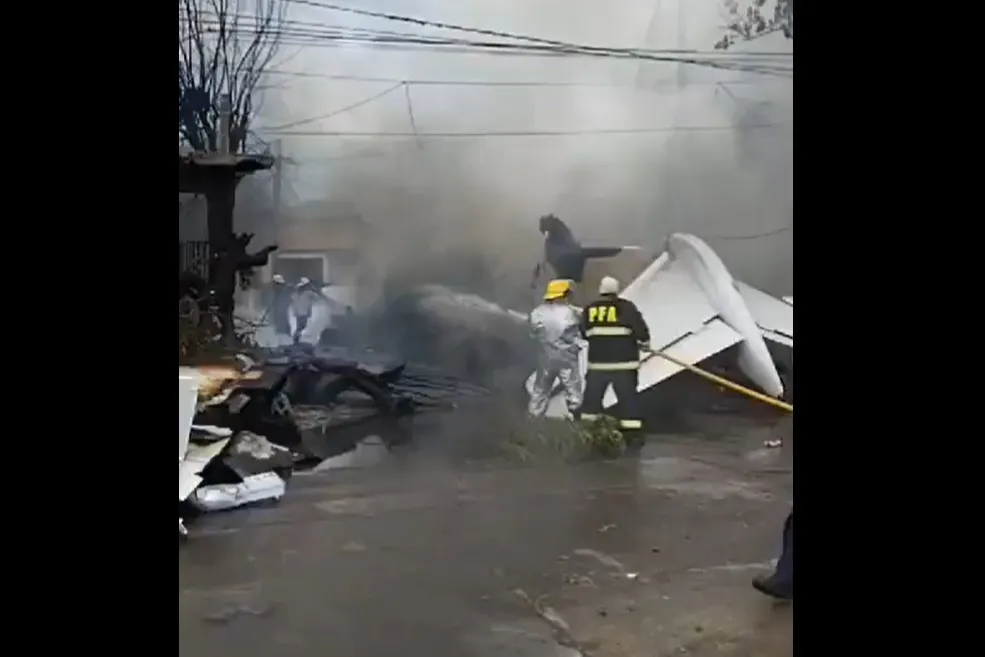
{"x":301,"y":407}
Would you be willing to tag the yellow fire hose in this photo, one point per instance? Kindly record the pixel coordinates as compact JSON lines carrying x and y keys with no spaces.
{"x":742,"y":390}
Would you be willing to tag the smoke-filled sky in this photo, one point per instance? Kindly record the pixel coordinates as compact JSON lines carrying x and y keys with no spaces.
{"x":432,"y":195}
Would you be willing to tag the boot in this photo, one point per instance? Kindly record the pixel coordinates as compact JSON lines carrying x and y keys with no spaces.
{"x":774,"y":587}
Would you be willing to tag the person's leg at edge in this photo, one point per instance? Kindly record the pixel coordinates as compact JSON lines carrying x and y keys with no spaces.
{"x":591,"y":404}
{"x":780,"y":583}
{"x":571,"y":381}
{"x":540,"y":395}
{"x":630,"y":421}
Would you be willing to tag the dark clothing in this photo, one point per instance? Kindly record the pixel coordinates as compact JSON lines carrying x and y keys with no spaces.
{"x":614,"y":329}
{"x":624,"y":384}
{"x":301,"y":323}
{"x":780,"y":583}
{"x":280,"y":302}
{"x":565,"y":254}
{"x":784,"y":567}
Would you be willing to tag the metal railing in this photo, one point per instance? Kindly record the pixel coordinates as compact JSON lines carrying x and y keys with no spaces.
{"x":193,"y":256}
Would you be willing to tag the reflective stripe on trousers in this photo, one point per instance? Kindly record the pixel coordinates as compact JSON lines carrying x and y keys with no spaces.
{"x":615,"y":367}
{"x":623,"y":424}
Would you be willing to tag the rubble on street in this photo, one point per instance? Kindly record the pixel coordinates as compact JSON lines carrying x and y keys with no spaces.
{"x":245,"y":428}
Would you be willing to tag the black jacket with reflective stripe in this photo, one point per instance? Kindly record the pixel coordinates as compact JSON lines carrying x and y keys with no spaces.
{"x":614,"y":328}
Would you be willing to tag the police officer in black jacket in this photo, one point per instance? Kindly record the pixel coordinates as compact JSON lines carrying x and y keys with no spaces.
{"x":616,"y":331}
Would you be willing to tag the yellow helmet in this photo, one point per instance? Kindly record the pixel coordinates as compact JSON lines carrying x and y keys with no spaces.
{"x":557,"y":289}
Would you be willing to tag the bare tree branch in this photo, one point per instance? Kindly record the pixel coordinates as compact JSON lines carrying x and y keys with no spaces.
{"x":751,"y":19}
{"x":224,"y":47}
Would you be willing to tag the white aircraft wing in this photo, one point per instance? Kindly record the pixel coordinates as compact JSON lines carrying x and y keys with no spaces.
{"x":773,"y":316}
{"x":694,"y":347}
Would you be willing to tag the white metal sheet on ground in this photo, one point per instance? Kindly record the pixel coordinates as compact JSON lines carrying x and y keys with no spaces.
{"x":770,"y":313}
{"x":714,"y":337}
{"x":788,"y":300}
{"x":253,"y":488}
{"x":196,"y":458}
{"x":187,"y":399}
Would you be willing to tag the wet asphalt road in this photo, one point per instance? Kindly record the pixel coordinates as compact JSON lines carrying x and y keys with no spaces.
{"x":416,"y":557}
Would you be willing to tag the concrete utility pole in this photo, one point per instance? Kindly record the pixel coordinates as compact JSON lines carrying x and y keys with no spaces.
{"x":225,"y":124}
{"x":278,"y":179}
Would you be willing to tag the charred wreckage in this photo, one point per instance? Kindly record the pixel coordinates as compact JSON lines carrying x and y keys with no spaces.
{"x":244,"y":429}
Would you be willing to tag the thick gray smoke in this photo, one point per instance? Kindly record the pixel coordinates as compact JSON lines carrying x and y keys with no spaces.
{"x":436,"y":204}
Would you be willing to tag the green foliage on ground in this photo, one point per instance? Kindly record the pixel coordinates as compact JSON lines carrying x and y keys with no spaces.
{"x":540,"y":440}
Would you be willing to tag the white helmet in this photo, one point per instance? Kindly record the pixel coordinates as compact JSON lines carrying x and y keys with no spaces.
{"x":304,"y":281}
{"x":609,"y":285}
{"x":278,"y":278}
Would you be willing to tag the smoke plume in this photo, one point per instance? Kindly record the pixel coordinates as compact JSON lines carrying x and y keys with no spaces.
{"x":463,"y":211}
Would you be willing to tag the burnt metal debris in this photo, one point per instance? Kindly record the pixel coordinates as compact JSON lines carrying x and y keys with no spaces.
{"x":297,"y":408}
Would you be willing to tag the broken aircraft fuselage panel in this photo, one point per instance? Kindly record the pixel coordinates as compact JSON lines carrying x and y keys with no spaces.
{"x":695,"y":309}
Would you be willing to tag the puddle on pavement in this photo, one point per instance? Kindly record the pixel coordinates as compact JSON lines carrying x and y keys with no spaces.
{"x":684,"y":476}
{"x":368,"y":452}
{"x":470,"y":431}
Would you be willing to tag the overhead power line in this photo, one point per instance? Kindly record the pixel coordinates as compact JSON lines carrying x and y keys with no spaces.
{"x":450,"y":46}
{"x":635,"y":53}
{"x":332,"y":29}
{"x":416,"y":43}
{"x":500,"y":83}
{"x":525,"y":133}
{"x":341,"y":110}
{"x":534,"y":45}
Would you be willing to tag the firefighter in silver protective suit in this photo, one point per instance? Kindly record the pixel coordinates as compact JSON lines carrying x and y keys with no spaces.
{"x":554,"y":325}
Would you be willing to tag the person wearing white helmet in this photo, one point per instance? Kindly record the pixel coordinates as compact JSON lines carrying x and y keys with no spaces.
{"x":305,"y":296}
{"x":616,"y":331}
{"x":280,"y":303}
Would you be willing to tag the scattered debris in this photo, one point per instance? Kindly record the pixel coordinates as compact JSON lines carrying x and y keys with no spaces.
{"x":254,"y":488}
{"x":218,"y":432}
{"x":245,"y":428}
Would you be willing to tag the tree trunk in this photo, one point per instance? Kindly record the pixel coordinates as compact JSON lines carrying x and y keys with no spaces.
{"x":221,"y":198}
